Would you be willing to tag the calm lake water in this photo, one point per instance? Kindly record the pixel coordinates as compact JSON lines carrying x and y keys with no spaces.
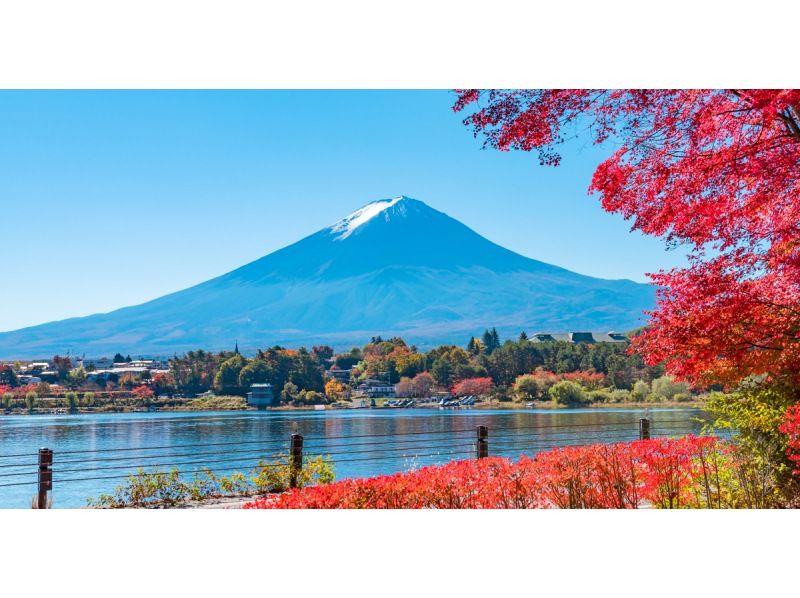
{"x":105,"y":447}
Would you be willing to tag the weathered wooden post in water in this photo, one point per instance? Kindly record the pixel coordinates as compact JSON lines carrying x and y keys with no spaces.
{"x":644,"y":429}
{"x":45,"y":477}
{"x":482,"y":446}
{"x":295,"y":459}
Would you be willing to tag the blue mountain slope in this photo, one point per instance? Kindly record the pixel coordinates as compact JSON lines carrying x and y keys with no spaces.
{"x":393,"y":267}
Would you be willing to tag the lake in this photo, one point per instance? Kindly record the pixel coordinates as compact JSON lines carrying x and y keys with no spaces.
{"x":93,"y":452}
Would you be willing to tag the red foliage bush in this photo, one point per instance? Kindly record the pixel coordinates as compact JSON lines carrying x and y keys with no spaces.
{"x":667,"y":473}
{"x":21,"y":391}
{"x":143,"y":392}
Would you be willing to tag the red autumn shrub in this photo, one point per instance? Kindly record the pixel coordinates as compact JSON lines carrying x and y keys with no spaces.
{"x":142,"y":392}
{"x":21,"y":391}
{"x":667,"y":473}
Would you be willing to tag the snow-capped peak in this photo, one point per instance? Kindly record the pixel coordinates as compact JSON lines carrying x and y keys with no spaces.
{"x":345,"y":227}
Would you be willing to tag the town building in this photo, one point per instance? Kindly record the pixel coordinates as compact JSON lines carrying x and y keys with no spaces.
{"x":580,"y":337}
{"x":339,"y":374}
{"x":261,"y":395}
{"x":376,"y":388}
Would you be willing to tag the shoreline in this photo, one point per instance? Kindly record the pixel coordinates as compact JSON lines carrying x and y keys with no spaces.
{"x":496,"y":406}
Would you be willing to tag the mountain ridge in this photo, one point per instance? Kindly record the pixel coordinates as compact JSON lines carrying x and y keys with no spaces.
{"x":395,"y":266}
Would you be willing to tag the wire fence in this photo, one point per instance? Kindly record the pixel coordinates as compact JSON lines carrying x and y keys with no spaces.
{"x":46,"y":471}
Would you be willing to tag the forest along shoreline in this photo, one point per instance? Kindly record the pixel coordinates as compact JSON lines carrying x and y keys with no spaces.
{"x":384,"y":373}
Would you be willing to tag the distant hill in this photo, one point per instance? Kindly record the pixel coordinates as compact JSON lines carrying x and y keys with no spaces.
{"x":393,"y":267}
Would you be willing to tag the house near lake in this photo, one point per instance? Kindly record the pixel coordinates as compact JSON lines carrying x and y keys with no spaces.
{"x":261,"y":395}
{"x":580,"y":337}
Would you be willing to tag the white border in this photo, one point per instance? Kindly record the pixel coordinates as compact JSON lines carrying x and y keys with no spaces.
{"x":399,"y":553}
{"x":409,"y":44}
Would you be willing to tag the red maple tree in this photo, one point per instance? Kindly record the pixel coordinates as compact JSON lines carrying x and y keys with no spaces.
{"x":717,"y":171}
{"x":472,"y":386}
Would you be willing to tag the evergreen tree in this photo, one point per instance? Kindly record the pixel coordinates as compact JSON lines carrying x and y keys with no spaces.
{"x":491,"y":340}
{"x":487,"y":342}
{"x":523,"y":337}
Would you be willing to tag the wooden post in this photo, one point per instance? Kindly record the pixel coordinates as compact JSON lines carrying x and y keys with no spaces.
{"x":644,"y":429}
{"x":45,"y":477}
{"x":482,"y":446}
{"x":295,"y":459}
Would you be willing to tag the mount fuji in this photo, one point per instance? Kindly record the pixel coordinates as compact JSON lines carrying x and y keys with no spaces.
{"x":394,"y":267}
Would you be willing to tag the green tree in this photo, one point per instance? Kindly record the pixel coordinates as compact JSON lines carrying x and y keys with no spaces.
{"x":306,"y":372}
{"x":72,"y":402}
{"x":76,"y":378}
{"x":289,"y":393}
{"x":227,"y":379}
{"x":30,"y":401}
{"x":62,"y":366}
{"x":345,"y":361}
{"x":255,"y":372}
{"x":491,"y":340}
{"x":442,"y":372}
{"x":8,"y":377}
{"x":527,"y":387}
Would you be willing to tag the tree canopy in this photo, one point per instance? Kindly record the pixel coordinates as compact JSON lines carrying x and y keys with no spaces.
{"x":717,"y":171}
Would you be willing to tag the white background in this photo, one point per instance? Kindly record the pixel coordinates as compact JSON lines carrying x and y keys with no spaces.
{"x":406,"y":44}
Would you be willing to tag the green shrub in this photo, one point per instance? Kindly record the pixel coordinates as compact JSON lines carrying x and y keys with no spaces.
{"x":567,"y":392}
{"x":666,"y":388}
{"x":216,"y":403}
{"x":641,"y":390}
{"x":308,"y":397}
{"x":72,"y":401}
{"x":30,"y":401}
{"x":88,"y":399}
{"x":8,"y":400}
{"x":619,"y":395}
{"x":754,"y":413}
{"x":158,"y":488}
{"x":275,"y":476}
{"x":601,"y":395}
{"x":146,"y":489}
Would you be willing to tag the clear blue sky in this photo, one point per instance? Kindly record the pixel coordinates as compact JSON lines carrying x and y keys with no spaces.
{"x":109,"y":199}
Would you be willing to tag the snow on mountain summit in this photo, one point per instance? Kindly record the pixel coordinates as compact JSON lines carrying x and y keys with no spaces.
{"x":346,"y":226}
